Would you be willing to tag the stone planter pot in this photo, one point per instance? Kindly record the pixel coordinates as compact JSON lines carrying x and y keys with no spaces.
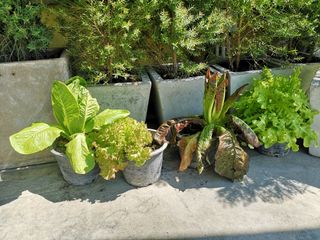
{"x":147,"y":174}
{"x":276,"y":150}
{"x":177,"y":97}
{"x":314,"y":94}
{"x":238,"y":79}
{"x":131,"y":96}
{"x":25,"y":89}
{"x":69,"y":175}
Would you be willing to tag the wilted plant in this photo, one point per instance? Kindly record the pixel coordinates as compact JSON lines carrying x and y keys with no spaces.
{"x":230,"y":159}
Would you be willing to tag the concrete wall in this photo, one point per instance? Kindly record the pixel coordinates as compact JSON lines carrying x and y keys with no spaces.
{"x":25,"y":98}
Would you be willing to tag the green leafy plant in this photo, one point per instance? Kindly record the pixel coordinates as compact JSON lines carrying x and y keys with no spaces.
{"x":76,"y":113}
{"x":22,"y":35}
{"x":103,"y":38}
{"x":118,"y":143}
{"x":212,"y":132}
{"x":175,"y":34}
{"x":278,"y":110}
{"x":260,"y":29}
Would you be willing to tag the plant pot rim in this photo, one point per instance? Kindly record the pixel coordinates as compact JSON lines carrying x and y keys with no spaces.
{"x":158,"y":150}
{"x":55,"y":152}
{"x":144,"y":80}
{"x":158,"y":78}
{"x":63,"y":55}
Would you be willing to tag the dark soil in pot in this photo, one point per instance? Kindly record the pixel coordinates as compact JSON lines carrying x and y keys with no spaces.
{"x":276,"y":150}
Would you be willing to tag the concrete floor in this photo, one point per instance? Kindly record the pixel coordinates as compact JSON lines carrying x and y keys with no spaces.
{"x":279,"y":199}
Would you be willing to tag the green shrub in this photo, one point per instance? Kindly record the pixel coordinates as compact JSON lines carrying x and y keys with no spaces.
{"x":259,"y":29}
{"x":116,"y":144}
{"x":22,"y":35}
{"x":278,"y":110}
{"x":102,"y":37}
{"x":177,"y":33}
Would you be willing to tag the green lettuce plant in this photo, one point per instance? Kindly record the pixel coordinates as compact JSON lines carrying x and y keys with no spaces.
{"x":76,"y":113}
{"x":278,"y":110}
{"x":217,"y":131}
{"x":118,"y":143}
{"x":22,"y":35}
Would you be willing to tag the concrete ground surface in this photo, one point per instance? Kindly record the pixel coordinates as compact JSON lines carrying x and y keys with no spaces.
{"x":278,"y":199}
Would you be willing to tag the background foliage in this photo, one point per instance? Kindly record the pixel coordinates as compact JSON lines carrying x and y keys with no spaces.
{"x":22,"y":35}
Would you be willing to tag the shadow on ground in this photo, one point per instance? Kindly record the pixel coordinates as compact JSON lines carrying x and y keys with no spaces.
{"x":268,"y":180}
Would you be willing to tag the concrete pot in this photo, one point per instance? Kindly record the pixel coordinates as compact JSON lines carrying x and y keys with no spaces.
{"x":25,"y":89}
{"x":314,"y":94}
{"x":177,"y":97}
{"x":147,"y":174}
{"x":69,"y":175}
{"x":131,"y":96}
{"x":238,"y":79}
{"x":276,"y":150}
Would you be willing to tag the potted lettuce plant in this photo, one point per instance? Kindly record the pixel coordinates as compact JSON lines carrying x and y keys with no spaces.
{"x":213,"y":138}
{"x":128,"y":145}
{"x":278,"y":110}
{"x":28,"y":68}
{"x":76,"y":114}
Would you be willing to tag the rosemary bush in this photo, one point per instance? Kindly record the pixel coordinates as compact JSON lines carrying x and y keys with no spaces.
{"x":22,"y":35}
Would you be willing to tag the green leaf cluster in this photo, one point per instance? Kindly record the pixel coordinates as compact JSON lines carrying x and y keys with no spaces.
{"x":116,"y":144}
{"x":177,"y":33}
{"x":22,"y":35}
{"x":76,"y":113}
{"x":103,"y":37}
{"x":278,"y":110}
{"x":259,"y":29}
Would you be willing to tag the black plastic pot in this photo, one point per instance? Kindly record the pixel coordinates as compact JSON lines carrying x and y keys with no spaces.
{"x":276,"y":150}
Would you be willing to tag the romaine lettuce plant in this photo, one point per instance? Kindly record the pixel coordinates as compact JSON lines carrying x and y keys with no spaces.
{"x":278,"y":110}
{"x":118,"y":143}
{"x":230,"y":159}
{"x":76,"y":113}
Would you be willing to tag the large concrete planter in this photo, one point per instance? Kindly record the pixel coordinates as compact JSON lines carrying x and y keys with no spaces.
{"x":315,"y":104}
{"x":131,"y":96}
{"x":240,"y":78}
{"x":25,"y":98}
{"x":177,"y":97}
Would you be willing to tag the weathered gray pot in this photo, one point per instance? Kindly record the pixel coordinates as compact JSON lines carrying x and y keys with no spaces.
{"x":69,"y":175}
{"x":147,"y":174}
{"x":314,"y":94}
{"x":25,"y":98}
{"x":238,"y":79}
{"x":276,"y":150}
{"x":131,"y":96}
{"x":177,"y":97}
